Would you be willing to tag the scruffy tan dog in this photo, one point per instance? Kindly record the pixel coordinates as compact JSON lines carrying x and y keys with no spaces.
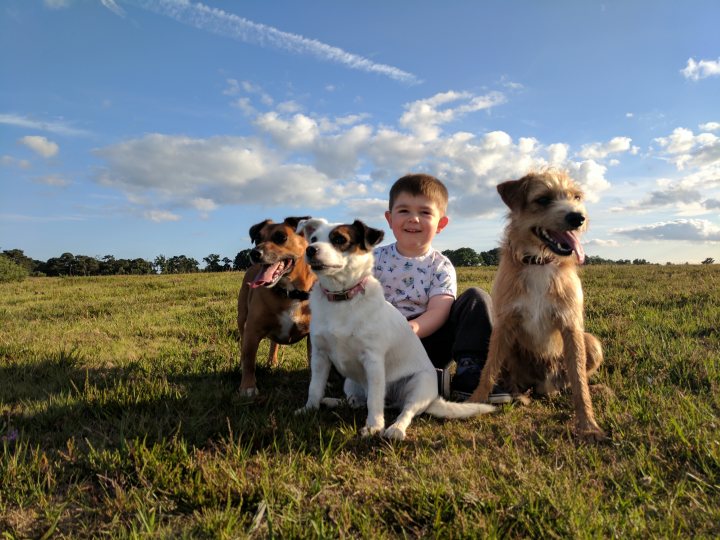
{"x":539,"y":340}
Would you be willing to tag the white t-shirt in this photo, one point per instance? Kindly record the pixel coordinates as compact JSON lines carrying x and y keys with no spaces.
{"x":410,"y":282}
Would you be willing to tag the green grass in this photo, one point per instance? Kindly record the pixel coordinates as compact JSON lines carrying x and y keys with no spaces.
{"x":119,"y":418}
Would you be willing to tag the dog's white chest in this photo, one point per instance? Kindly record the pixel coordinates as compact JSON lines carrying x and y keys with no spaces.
{"x":287,"y":320}
{"x":536,"y":306}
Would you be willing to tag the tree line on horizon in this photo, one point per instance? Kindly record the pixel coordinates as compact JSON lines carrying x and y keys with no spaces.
{"x":68,"y":264}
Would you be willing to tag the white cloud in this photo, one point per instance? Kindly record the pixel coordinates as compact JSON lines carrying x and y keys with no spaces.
{"x":56,"y":4}
{"x":424,"y":117}
{"x":54,"y":180}
{"x":313,"y":162}
{"x":690,"y":230}
{"x":161,"y":215}
{"x":227,"y":24}
{"x":58,"y":127}
{"x":601,"y":150}
{"x":685,"y":149}
{"x":112,"y":6}
{"x":40,"y":145}
{"x":180,"y":170}
{"x":9,"y":161}
{"x":602,"y":243}
{"x":710,"y":126}
{"x":701,"y":70}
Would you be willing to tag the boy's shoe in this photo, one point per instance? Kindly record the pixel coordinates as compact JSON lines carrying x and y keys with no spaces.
{"x":443,"y":378}
{"x":467,"y":377}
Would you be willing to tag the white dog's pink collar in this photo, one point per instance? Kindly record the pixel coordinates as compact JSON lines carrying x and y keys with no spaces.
{"x":347,"y":294}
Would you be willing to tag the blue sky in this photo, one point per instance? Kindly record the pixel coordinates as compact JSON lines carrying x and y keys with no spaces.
{"x":146,"y":127}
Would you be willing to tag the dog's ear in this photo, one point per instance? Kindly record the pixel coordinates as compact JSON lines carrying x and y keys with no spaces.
{"x":371,"y":237}
{"x":255,"y":230}
{"x":512,"y":193}
{"x":307,"y":227}
{"x":292,"y":222}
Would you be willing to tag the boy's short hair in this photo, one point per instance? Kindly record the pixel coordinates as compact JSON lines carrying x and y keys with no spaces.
{"x":421,"y":184}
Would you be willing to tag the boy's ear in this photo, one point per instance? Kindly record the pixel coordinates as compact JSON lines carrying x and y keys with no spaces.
{"x":443,"y":223}
{"x":388,"y":218}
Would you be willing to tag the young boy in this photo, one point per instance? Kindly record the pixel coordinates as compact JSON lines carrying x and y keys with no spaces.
{"x":420,"y":282}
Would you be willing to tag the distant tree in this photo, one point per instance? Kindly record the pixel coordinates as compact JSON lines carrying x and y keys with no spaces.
{"x":160,"y":264}
{"x":180,"y":264}
{"x":709,"y":260}
{"x":242,"y":260}
{"x":10,"y":270}
{"x":640,"y":261}
{"x":18,"y":257}
{"x":227,"y":264}
{"x":212,"y":263}
{"x":491,"y":258}
{"x":463,"y":256}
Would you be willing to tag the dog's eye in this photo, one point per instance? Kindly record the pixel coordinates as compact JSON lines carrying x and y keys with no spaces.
{"x":337,"y":240}
{"x":313,"y":239}
{"x":543,"y":201}
{"x":578,"y":197}
{"x":279,"y":237}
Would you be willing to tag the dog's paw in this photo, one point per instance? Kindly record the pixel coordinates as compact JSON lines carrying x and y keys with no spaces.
{"x":356,"y":402}
{"x":331,"y":403}
{"x":304,"y":410}
{"x":591,"y":434}
{"x":394,"y":433}
{"x":249,"y":392}
{"x":369,"y":431}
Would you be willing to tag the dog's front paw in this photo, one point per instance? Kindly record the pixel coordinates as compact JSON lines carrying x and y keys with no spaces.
{"x":249,"y":392}
{"x":306,"y":409}
{"x":331,"y":403}
{"x":591,"y":433}
{"x":368,"y":431}
{"x":356,"y":402}
{"x":394,"y":433}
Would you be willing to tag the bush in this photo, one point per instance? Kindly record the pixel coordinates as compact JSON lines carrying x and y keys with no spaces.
{"x":9,"y":271}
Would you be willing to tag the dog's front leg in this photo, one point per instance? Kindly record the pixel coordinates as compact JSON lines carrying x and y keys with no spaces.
{"x":576,"y":366}
{"x":319,"y":373}
{"x":374,"y":365}
{"x":249,"y":342}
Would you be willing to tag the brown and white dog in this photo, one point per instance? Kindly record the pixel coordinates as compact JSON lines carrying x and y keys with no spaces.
{"x":367,"y":340}
{"x":539,"y":340}
{"x":273,"y":299}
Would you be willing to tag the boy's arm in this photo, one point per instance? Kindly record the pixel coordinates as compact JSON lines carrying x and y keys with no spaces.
{"x":438,"y":311}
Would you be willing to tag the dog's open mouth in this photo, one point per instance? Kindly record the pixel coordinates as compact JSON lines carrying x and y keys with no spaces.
{"x":270,"y":274}
{"x":562,"y":243}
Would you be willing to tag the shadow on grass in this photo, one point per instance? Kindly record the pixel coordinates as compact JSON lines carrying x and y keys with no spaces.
{"x":56,"y":399}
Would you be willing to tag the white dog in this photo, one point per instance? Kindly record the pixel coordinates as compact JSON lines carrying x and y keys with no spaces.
{"x":366,"y":338}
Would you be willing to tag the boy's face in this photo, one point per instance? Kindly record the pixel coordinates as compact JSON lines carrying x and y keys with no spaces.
{"x":415,"y":220}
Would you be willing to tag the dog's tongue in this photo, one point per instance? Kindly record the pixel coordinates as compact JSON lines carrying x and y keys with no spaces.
{"x":570,"y":238}
{"x":267,"y":275}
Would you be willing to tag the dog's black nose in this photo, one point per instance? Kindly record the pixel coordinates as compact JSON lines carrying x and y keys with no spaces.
{"x":311,"y":251}
{"x":575,"y":219}
{"x":255,"y":255}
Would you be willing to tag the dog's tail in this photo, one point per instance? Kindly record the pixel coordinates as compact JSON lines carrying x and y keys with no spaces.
{"x":449,"y":409}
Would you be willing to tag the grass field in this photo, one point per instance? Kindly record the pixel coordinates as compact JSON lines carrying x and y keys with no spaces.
{"x":120,"y":418}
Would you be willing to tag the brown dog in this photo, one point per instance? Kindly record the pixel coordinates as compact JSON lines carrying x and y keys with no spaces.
{"x":539,"y":340}
{"x":273,"y":299}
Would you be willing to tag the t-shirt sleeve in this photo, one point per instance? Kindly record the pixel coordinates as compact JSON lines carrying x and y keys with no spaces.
{"x":445,"y":281}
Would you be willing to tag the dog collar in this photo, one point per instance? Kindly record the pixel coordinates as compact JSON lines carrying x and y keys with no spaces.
{"x":348,"y":294}
{"x":537,"y":259}
{"x":295,"y":294}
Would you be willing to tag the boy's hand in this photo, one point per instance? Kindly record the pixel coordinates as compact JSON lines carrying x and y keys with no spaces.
{"x":437,"y":313}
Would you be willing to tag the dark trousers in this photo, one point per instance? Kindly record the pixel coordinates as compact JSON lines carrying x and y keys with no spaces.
{"x":465,"y":333}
